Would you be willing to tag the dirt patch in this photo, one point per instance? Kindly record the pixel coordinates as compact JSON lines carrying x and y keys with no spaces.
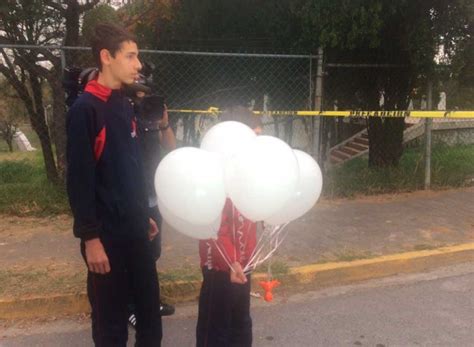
{"x":40,"y":255}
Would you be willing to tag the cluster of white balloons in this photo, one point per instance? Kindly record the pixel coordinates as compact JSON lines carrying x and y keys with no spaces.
{"x":265,"y":179}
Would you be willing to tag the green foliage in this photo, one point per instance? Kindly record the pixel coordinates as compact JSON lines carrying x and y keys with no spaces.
{"x":102,"y":13}
{"x":25,"y":190}
{"x":452,"y":166}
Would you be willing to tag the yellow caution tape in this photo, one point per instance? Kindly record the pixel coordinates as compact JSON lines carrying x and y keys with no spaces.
{"x":383,"y":114}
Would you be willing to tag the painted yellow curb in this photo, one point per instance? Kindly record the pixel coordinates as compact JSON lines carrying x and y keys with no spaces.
{"x":388,"y":265}
{"x":319,"y":275}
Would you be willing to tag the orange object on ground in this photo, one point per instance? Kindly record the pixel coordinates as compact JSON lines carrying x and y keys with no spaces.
{"x":267,"y":287}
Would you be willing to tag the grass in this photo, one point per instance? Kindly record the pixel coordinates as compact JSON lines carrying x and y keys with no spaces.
{"x":451,"y":167}
{"x":24,"y":188}
{"x":16,"y":283}
{"x":346,"y":255}
{"x":424,"y":247}
{"x":278,"y":267}
{"x":185,"y":273}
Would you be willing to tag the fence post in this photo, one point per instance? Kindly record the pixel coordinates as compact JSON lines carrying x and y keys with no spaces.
{"x":428,"y":125}
{"x":318,"y":102}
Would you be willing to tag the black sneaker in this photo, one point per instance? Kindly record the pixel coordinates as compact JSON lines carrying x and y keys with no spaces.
{"x":166,"y":310}
{"x":132,"y":320}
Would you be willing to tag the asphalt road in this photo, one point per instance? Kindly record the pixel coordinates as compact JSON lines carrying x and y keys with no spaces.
{"x":427,"y":309}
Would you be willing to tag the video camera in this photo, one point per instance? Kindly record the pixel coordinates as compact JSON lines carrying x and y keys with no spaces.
{"x":149,"y":108}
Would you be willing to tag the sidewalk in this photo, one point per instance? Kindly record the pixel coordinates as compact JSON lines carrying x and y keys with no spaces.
{"x":39,"y":256}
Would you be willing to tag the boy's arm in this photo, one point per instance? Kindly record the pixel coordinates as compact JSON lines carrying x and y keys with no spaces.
{"x":81,"y":165}
{"x":226,"y":239}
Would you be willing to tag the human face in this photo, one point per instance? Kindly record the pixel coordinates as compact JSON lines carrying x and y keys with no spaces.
{"x":123,"y":68}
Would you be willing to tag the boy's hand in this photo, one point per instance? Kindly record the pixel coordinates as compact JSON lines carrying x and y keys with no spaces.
{"x":97,"y":259}
{"x":153,"y":231}
{"x":237,"y":276}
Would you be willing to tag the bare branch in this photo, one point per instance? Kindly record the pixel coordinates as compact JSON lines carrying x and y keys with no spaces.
{"x":88,"y":6}
{"x":55,"y":6}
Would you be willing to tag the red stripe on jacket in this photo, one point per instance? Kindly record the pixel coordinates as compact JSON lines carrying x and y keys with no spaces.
{"x":99,"y":144}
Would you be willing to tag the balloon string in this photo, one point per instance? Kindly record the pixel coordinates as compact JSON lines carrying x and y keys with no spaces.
{"x":274,"y":242}
{"x":269,"y":270}
{"x":233,"y":231}
{"x":275,"y":231}
{"x":223,"y":254}
{"x":278,"y":242}
{"x":266,"y":233}
{"x":258,"y":260}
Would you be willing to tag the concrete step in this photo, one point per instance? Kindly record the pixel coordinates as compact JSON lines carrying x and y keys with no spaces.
{"x":361,"y":141}
{"x":339,"y":154}
{"x":357,"y":146}
{"x":348,"y":150}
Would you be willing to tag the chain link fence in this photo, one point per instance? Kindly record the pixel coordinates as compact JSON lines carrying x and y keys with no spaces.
{"x":359,"y":155}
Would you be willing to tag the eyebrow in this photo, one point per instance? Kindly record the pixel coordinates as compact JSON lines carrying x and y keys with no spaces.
{"x":131,"y":53}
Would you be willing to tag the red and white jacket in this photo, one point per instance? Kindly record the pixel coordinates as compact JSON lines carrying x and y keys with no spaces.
{"x":236,"y":238}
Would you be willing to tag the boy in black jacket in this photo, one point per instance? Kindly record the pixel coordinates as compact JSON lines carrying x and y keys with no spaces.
{"x":105,"y":183}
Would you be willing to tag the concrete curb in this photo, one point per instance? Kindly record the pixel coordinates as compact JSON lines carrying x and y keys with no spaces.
{"x":318,"y":275}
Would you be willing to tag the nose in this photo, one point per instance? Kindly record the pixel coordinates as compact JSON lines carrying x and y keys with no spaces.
{"x":139,"y":65}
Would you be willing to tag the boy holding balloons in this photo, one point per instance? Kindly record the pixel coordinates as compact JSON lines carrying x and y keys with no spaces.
{"x":224,"y":301}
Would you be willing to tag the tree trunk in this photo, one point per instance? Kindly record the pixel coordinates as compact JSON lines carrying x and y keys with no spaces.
{"x":72,"y":15}
{"x":10,"y":144}
{"x":39,"y":125}
{"x":386,"y":134}
{"x":58,"y":129}
{"x":385,"y":141}
{"x":7,"y":131}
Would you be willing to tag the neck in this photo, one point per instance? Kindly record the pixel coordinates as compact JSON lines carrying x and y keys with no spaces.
{"x":107,"y":80}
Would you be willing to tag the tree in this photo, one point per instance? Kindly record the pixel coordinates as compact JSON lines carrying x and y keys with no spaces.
{"x":404,"y":33}
{"x":71,"y":11}
{"x":26,"y":22}
{"x":11,"y":113}
{"x":102,"y":13}
{"x":41,"y":23}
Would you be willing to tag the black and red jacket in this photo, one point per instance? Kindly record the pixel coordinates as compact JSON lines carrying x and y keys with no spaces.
{"x":105,"y":180}
{"x":236,"y":239}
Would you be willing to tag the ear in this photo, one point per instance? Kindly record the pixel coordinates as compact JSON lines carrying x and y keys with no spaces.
{"x":105,"y":57}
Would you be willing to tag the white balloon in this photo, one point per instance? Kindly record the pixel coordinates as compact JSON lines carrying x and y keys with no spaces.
{"x":229,"y":172}
{"x":262,"y":177}
{"x":202,"y":232}
{"x":190,"y":184}
{"x":306,"y":194}
{"x":227,"y":138}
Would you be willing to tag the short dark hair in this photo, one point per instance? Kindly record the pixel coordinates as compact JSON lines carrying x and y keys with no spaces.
{"x":243,"y":115}
{"x":110,"y":37}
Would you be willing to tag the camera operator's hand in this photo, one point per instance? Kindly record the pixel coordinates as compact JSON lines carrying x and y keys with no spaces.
{"x":164,"y":122}
{"x":167,"y":138}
